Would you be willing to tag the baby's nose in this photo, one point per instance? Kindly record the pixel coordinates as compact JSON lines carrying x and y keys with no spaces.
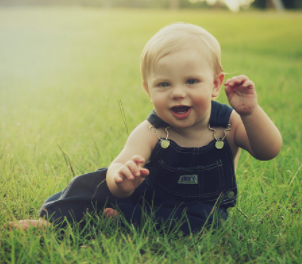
{"x":178,"y":92}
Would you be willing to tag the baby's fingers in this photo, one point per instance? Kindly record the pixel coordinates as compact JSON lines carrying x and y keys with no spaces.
{"x":236,"y":80}
{"x":123,"y":173}
{"x":144,"y":172}
{"x":248,"y":84}
{"x":133,"y":167}
{"x":138,"y":159}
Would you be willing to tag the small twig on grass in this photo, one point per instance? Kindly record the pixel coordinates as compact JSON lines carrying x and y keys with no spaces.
{"x":244,"y":214}
{"x":123,"y":115}
{"x":97,"y":188}
{"x":295,"y":175}
{"x":67,"y":160}
{"x":212,"y":212}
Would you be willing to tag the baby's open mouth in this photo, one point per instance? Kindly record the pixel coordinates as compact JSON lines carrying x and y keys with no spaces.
{"x":180,"y":109}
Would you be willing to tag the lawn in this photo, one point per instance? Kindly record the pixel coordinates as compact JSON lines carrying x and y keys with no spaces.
{"x":63,"y":74}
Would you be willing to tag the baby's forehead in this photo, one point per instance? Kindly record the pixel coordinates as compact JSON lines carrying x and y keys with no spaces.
{"x":173,"y":39}
{"x":187,"y":50}
{"x":184,"y":53}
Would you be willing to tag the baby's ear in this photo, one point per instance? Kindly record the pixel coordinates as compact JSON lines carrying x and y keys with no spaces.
{"x":218,"y":80}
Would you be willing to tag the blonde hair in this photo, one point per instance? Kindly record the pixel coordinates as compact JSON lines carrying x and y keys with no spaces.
{"x":175,"y":37}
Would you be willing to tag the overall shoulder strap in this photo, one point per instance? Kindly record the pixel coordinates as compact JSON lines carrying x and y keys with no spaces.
{"x":156,"y":121}
{"x":220,"y":114}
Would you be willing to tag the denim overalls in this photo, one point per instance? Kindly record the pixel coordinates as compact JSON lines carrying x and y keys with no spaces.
{"x":181,"y":180}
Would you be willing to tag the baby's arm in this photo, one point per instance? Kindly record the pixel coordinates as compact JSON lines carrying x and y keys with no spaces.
{"x":126,"y":172}
{"x":254,"y":131}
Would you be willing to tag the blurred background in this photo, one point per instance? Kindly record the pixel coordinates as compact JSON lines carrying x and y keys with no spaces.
{"x":233,"y":5}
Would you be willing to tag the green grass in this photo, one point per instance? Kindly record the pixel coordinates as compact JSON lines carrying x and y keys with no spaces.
{"x":62,"y":74}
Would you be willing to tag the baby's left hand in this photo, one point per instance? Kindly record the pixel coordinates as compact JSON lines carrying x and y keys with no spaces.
{"x":241,"y":94}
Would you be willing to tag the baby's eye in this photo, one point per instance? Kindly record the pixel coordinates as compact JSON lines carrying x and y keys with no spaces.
{"x":164,"y":84}
{"x":191,"y":81}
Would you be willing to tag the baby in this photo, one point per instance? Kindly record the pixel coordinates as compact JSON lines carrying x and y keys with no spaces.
{"x":183,"y":158}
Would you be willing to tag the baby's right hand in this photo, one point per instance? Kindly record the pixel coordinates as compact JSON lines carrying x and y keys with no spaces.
{"x":130,"y":175}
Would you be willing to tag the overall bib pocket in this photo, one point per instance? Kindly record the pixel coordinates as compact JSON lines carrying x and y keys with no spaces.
{"x":195,"y":182}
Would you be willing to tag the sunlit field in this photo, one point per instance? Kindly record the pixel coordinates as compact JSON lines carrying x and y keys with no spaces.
{"x":64,"y":74}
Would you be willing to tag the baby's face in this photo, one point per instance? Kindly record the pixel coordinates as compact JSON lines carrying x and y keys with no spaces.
{"x":181,"y":86}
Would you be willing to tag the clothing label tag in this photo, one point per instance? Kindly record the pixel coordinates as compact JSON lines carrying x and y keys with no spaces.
{"x":188,"y":179}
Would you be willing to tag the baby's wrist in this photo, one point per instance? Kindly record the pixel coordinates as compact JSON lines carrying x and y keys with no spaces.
{"x":250,"y":114}
{"x":245,"y":107}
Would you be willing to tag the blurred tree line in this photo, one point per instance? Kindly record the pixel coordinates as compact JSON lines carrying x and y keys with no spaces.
{"x":112,"y":3}
{"x":288,"y":4}
{"x":262,"y":4}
